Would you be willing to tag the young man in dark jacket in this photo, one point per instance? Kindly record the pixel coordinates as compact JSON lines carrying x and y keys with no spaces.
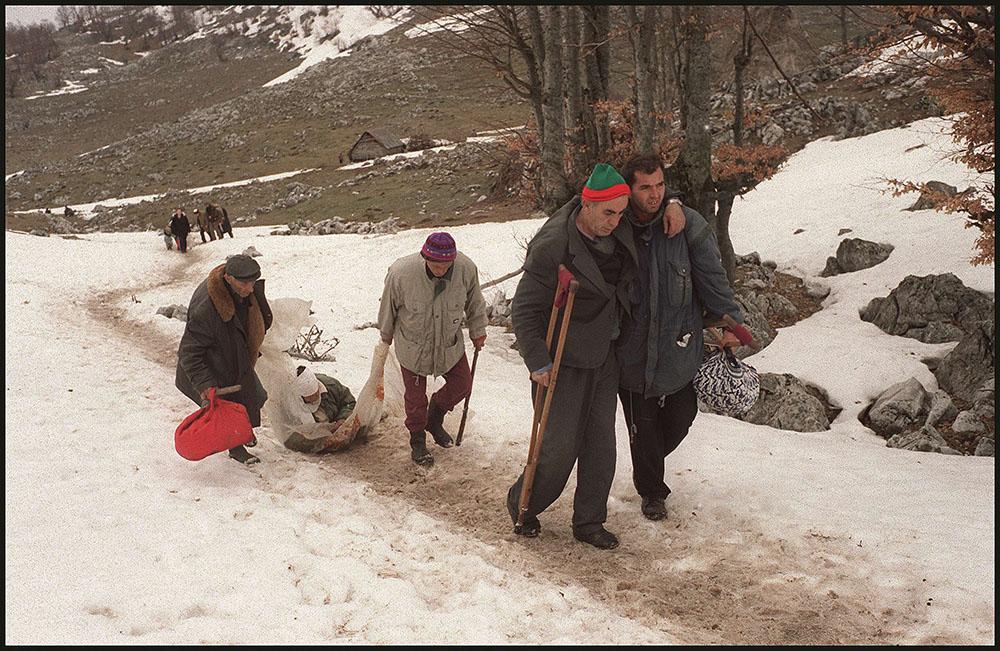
{"x":660,"y":349}
{"x":227,"y":319}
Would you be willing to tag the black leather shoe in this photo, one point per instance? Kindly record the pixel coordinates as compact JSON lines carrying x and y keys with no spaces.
{"x":240,"y":454}
{"x":530,"y":529}
{"x":602,"y":538}
{"x":654,"y":508}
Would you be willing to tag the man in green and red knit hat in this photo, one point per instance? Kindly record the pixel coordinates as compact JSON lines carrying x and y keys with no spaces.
{"x":590,"y":238}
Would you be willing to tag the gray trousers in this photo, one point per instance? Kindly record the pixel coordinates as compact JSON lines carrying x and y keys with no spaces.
{"x":580,"y":430}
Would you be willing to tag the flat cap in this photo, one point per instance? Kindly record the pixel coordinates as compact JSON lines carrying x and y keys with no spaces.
{"x":242,"y":267}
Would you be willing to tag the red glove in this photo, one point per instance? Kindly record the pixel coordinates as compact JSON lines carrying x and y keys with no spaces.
{"x":742,"y":334}
{"x":479,"y":342}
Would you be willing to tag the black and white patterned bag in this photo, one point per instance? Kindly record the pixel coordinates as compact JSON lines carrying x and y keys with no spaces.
{"x":727,"y":385}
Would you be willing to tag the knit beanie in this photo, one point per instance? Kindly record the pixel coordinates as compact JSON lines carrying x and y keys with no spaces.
{"x":439,"y":247}
{"x":605,"y":184}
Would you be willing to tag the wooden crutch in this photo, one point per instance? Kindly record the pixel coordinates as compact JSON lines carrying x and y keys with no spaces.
{"x":539,"y":420}
{"x":465,"y":409}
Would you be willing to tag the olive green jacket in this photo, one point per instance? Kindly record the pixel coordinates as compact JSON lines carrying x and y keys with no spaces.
{"x":423,"y":316}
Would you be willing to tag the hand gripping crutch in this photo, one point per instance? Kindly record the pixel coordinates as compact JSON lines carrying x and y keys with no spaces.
{"x":565,"y":293}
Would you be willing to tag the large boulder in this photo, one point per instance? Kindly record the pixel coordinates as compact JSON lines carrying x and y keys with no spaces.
{"x":970,"y":363}
{"x":785,"y":402}
{"x":926,"y":439}
{"x":901,"y":407}
{"x":932,"y":309}
{"x":854,"y":254}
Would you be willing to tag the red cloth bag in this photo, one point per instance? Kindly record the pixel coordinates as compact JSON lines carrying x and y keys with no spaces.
{"x":221,"y":425}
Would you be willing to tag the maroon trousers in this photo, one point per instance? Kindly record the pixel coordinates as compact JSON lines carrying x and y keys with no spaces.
{"x":457,"y":384}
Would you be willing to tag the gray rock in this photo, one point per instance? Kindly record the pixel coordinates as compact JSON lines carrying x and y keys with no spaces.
{"x":926,"y":439}
{"x":983,"y":399}
{"x":178,"y":312}
{"x":38,"y":232}
{"x":776,"y":306}
{"x":252,"y":252}
{"x":854,"y":254}
{"x":756,"y":321}
{"x":786,"y":403}
{"x":985,"y":448}
{"x":968,"y":422}
{"x":942,"y":409}
{"x":832,"y":268}
{"x":815,"y":290}
{"x":900,"y":407}
{"x":970,"y":364}
{"x":926,"y":202}
{"x":932,"y":309}
{"x":772,"y":134}
{"x":844,"y":231}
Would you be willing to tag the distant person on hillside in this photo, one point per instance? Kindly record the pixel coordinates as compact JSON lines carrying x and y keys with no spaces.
{"x":425,"y":298}
{"x":227,"y":226}
{"x":660,"y":346}
{"x":68,"y":212}
{"x":168,"y":238}
{"x":180,"y":227}
{"x":227,"y":318}
{"x":326,"y":404}
{"x":203,"y":226}
{"x":215,"y":216}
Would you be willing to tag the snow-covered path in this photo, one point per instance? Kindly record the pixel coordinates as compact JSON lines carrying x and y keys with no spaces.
{"x":773,"y":536}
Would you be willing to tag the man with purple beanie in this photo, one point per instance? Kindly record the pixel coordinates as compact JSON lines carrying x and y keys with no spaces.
{"x":426,"y":295}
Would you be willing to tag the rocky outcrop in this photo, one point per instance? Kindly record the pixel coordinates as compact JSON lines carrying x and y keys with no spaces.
{"x":926,"y":439}
{"x":786,"y":402}
{"x":964,"y":370}
{"x":854,"y":254}
{"x":336,"y":226}
{"x":932,"y":309}
{"x":899,"y":408}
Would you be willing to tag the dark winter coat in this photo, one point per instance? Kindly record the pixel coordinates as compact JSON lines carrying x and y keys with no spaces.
{"x":180,"y":226}
{"x":221,"y":343}
{"x":660,"y":349}
{"x":595,"y":319}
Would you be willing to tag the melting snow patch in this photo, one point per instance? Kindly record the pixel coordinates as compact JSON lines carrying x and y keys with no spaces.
{"x":455,"y":23}
{"x":117,"y":63}
{"x":10,"y":176}
{"x":86,"y":210}
{"x":70,"y":88}
{"x":407,"y":154}
{"x":329,"y":36}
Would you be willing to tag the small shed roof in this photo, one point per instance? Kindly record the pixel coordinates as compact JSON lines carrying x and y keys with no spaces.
{"x":384,"y":137}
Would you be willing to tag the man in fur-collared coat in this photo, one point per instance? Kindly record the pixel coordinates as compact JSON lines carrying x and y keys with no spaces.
{"x":227,"y":319}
